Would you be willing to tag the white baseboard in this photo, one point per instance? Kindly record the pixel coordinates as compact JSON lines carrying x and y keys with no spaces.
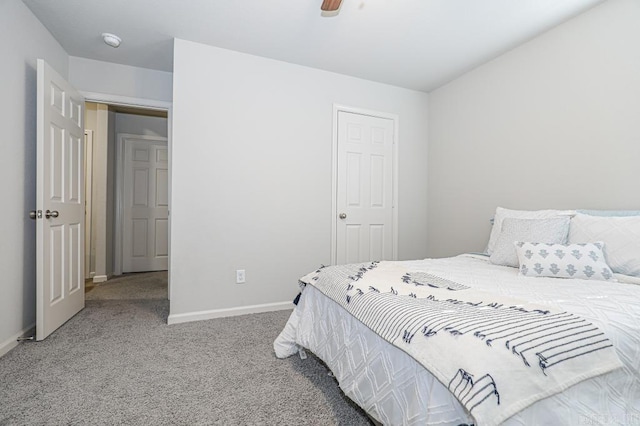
{"x":12,"y":342}
{"x":99,"y":279}
{"x":230,"y":312}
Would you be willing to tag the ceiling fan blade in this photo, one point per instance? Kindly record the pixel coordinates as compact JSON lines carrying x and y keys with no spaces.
{"x":330,"y":5}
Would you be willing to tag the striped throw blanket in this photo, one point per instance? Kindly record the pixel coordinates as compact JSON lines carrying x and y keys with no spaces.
{"x":496,"y":355}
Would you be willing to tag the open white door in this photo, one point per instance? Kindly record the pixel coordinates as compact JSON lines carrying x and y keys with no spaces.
{"x":59,"y":202}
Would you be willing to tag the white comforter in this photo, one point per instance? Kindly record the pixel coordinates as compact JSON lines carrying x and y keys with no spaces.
{"x":418,"y":399}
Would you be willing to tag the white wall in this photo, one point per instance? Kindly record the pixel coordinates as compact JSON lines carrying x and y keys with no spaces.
{"x":554,"y":123}
{"x":88,"y":75}
{"x":251,"y":174}
{"x":141,"y":125}
{"x":25,"y":41}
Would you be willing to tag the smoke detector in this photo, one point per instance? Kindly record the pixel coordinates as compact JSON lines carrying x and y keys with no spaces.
{"x":111,"y":39}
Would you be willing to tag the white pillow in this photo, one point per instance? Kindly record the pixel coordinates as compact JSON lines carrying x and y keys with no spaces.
{"x":585,"y":261}
{"x":502,"y":213}
{"x":621,"y":236}
{"x":554,"y":230}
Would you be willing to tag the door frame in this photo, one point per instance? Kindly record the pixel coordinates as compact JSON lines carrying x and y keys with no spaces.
{"x":337,"y":108}
{"x":88,"y":201}
{"x":119,"y":187}
{"x":118,"y":100}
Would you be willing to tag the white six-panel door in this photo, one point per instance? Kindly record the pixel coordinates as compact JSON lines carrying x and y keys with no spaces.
{"x":59,"y":202}
{"x":145,"y":237}
{"x":364,"y":227}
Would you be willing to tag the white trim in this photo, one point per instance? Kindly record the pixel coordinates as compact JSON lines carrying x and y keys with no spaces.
{"x":117,"y":244}
{"x":99,"y":279}
{"x":334,"y":186}
{"x":334,"y":174}
{"x":170,"y":166}
{"x":229,"y":312}
{"x":88,"y":201}
{"x":12,"y":341}
{"x":105,"y":98}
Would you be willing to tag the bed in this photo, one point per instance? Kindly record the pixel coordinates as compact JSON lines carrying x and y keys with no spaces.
{"x":384,"y":371}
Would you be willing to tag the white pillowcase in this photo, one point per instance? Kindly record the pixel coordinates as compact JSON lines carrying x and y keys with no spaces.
{"x":502,"y":213}
{"x":585,"y":261}
{"x":621,"y":236}
{"x":554,"y":230}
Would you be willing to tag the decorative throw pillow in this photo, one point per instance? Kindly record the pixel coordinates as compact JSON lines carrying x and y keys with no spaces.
{"x":502,"y":213}
{"x":553,"y":231}
{"x":585,"y":261}
{"x":621,"y":236}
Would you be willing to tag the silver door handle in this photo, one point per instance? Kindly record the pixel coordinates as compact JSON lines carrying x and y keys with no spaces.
{"x":342,"y":216}
{"x":49,"y":214}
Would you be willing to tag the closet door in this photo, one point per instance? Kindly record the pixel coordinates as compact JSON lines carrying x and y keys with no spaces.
{"x":145,"y":238}
{"x":365,"y":226}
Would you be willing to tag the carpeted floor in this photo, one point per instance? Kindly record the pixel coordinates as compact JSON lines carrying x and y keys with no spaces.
{"x":118,"y":363}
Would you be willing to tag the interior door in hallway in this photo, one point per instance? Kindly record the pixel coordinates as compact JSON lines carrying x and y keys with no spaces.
{"x":365,"y":217}
{"x":145,"y":236}
{"x":59,"y":210}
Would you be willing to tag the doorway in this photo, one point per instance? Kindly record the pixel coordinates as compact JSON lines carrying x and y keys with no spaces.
{"x":107,"y":121}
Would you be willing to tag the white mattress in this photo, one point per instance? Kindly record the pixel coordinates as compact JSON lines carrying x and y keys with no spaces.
{"x":395,"y":389}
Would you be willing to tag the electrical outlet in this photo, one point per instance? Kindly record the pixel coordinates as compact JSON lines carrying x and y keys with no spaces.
{"x":240,"y":276}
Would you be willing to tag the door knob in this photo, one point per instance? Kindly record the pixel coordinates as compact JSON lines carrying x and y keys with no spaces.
{"x":49,"y":214}
{"x":342,"y":216}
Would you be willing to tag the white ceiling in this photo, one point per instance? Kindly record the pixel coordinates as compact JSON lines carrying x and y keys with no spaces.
{"x":417,"y":44}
